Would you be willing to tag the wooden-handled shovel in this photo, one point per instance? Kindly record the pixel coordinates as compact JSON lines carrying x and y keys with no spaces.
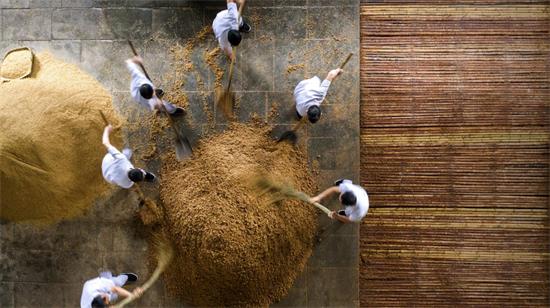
{"x":181,"y":143}
{"x":291,"y":135}
{"x":225,"y":97}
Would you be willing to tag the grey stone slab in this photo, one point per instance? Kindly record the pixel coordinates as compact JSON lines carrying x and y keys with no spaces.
{"x":251,"y":106}
{"x":129,"y":23}
{"x":254,"y":66}
{"x":297,"y":295}
{"x":38,"y":294}
{"x":97,"y":60}
{"x":32,"y":237}
{"x":77,"y":3}
{"x":128,"y":261}
{"x":66,"y":50}
{"x":25,"y":265}
{"x":6,"y":294}
{"x":278,"y":23}
{"x":27,"y":24}
{"x":341,"y":23}
{"x":129,"y":237}
{"x":336,"y":120}
{"x":177,"y":22}
{"x":289,"y":63}
{"x":14,"y":4}
{"x":281,"y":108}
{"x":6,"y":235}
{"x":91,"y":23}
{"x":332,"y":287}
{"x":336,"y":251}
{"x":81,"y":23}
{"x":201,"y":108}
{"x":44,"y":3}
{"x":74,"y":266}
{"x":120,"y":75}
{"x":72,"y":293}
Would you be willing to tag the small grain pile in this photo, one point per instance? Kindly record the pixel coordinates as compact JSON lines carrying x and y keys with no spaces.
{"x":50,"y":146}
{"x":233,"y":248}
{"x":16,"y":64}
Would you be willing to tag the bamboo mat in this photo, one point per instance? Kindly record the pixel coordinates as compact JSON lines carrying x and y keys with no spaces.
{"x":455,"y":152}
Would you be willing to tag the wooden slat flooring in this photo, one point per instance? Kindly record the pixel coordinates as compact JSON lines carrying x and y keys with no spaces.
{"x":455,"y":122}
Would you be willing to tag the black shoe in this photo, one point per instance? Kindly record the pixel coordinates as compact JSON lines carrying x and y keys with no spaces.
{"x":149,"y":177}
{"x":245,"y":27}
{"x":131,"y":277}
{"x":179,"y":112}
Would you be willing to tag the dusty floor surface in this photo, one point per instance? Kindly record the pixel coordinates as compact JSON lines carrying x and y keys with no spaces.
{"x":291,"y":40}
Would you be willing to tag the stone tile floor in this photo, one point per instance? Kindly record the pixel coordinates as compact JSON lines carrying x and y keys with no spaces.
{"x":46,"y":267}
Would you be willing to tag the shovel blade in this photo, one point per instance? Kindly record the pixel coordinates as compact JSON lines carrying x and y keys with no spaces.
{"x":289,"y":136}
{"x":225,"y":102}
{"x":183,"y":148}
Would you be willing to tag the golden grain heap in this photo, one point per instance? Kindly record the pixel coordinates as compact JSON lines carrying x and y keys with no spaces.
{"x":233,"y":248}
{"x":50,"y":146}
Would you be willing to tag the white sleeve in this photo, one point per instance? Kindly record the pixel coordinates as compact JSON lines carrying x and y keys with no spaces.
{"x":345,"y":186}
{"x":138,"y":77}
{"x":114,"y":151}
{"x":233,"y":12}
{"x":324,"y":87}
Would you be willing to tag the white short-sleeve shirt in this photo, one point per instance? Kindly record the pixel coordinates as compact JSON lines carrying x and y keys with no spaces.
{"x":226,"y":20}
{"x":310,"y":92}
{"x":115,"y":167}
{"x":95,"y":287}
{"x":356,"y":212}
{"x":138,"y":78}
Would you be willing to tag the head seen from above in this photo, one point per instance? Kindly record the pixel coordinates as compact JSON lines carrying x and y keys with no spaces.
{"x":314,"y":114}
{"x":136,"y":175}
{"x":100,"y":301}
{"x":146,"y":91}
{"x":348,"y":198}
{"x":234,"y":37}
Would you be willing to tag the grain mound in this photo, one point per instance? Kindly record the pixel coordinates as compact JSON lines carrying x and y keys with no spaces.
{"x":233,"y":248}
{"x":17,"y":64}
{"x":50,"y":146}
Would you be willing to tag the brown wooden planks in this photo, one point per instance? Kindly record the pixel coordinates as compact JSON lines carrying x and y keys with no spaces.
{"x":455,"y":153}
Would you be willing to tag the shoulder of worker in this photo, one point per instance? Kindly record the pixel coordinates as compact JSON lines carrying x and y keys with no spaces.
{"x":345,"y":185}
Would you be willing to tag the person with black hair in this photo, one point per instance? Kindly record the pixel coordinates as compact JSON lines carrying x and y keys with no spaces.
{"x":228,"y":26}
{"x":144,"y":92}
{"x":117,"y":168}
{"x":310,"y":93}
{"x":101,"y":291}
{"x":353,"y":197}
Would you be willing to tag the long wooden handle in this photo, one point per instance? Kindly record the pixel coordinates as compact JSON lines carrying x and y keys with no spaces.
{"x":231,"y":68}
{"x":241,"y":8}
{"x":104,"y":118}
{"x":346,"y":61}
{"x":140,"y":64}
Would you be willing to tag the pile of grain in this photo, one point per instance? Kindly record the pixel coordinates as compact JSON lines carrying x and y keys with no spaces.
{"x":232,"y":247}
{"x":16,"y":64}
{"x":50,"y":146}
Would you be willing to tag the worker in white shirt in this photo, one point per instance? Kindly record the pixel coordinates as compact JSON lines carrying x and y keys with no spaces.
{"x":310,"y":93}
{"x":144,"y":92}
{"x":228,"y":26}
{"x":353,"y":197}
{"x":101,"y":291}
{"x":117,"y":168}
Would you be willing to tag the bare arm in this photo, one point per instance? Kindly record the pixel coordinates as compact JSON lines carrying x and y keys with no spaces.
{"x":333,"y":74}
{"x":108,"y":129}
{"x":326,"y":193}
{"x":125,"y":293}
